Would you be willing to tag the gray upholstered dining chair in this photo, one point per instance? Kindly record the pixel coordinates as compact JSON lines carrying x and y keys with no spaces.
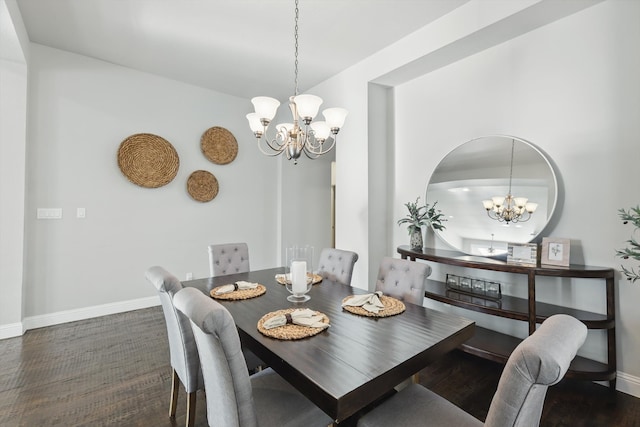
{"x":233,"y":397}
{"x":231,"y":258}
{"x":183,"y":352}
{"x":337,"y":265}
{"x":540,"y":361}
{"x":228,"y":258}
{"x":403,"y":279}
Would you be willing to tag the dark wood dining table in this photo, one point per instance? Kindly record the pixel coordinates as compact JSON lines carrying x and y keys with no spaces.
{"x":355,"y":361}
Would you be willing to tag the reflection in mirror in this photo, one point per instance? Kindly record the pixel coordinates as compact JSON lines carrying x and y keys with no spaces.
{"x":480,"y":170}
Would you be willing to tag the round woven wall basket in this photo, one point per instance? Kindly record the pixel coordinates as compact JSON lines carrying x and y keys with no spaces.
{"x":202,"y":186}
{"x":148,"y":160}
{"x":219,"y":145}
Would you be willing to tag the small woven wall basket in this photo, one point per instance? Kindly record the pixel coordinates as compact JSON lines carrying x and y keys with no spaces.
{"x":219,"y":145}
{"x":148,"y":160}
{"x":202,"y":186}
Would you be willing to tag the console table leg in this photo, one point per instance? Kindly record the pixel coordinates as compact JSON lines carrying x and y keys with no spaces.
{"x":611,"y":333}
{"x":531,"y":276}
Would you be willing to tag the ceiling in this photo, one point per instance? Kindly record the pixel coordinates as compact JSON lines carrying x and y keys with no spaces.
{"x":240,"y":47}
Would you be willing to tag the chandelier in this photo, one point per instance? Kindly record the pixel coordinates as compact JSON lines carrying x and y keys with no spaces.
{"x":509,"y":209}
{"x":313,"y":139}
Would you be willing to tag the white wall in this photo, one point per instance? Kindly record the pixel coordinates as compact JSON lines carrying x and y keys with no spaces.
{"x":13,"y":106}
{"x":80,"y":110}
{"x":13,"y":83}
{"x":60,"y":151}
{"x":569,"y":86}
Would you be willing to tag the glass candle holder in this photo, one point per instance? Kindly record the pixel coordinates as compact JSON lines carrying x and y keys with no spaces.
{"x":299,"y":272}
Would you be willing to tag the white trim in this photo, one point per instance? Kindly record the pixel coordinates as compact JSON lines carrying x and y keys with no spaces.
{"x":79,"y":314}
{"x":628,"y":384}
{"x":10,"y":330}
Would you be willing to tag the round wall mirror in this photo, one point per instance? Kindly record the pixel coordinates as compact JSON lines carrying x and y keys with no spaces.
{"x":479,"y":171}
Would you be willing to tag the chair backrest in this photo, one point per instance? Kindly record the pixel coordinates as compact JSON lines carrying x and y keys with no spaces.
{"x":226,"y":380}
{"x":539,"y":361}
{"x":403,"y":279}
{"x":337,"y":265}
{"x":182,"y":346}
{"x":228,"y":258}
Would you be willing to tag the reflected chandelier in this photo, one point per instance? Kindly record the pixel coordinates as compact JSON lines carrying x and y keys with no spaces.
{"x":314,"y":139}
{"x":509,"y":209}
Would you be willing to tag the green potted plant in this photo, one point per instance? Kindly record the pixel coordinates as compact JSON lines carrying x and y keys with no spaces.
{"x":633,"y":250}
{"x":419,"y":216}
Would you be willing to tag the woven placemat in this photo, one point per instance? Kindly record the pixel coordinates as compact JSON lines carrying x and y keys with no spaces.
{"x":148,"y":160}
{"x":219,"y":145}
{"x":240,"y":293}
{"x":202,"y":186}
{"x":315,"y":278}
{"x":392,"y":307}
{"x":289,"y":331}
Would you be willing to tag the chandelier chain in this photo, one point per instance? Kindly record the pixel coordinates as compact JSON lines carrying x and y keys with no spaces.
{"x":295,"y":92}
{"x":511,"y":168}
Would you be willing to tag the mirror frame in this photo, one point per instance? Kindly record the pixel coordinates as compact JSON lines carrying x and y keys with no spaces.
{"x":493,"y":177}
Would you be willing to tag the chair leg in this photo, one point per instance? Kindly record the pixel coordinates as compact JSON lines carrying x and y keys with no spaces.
{"x":175,"y":385}
{"x":415,"y":378}
{"x":191,"y":408}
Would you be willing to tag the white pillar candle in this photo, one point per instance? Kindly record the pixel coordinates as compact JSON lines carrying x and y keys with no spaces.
{"x":299,"y":277}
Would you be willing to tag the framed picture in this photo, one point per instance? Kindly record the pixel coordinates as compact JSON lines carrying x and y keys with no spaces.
{"x":555,"y":251}
{"x":525,"y":254}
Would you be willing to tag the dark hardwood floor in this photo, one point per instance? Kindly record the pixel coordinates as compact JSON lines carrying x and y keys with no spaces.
{"x":114,"y":371}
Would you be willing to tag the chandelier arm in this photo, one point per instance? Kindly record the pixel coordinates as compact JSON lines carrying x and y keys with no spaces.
{"x":519,"y":218}
{"x":313,"y":154}
{"x":273,"y":144}
{"x":313,"y":146}
{"x":275,"y":152}
{"x":322,"y":151}
{"x":310,"y":155}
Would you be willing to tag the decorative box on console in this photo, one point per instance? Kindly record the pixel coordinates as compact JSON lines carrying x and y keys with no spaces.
{"x":465,"y":284}
{"x":493,"y":290}
{"x":453,"y":282}
{"x":473,"y":286}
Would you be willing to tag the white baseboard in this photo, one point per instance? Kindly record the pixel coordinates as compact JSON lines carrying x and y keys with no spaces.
{"x":10,"y":330}
{"x":33,"y":322}
{"x":628,"y":384}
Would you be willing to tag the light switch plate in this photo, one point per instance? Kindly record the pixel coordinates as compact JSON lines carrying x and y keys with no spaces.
{"x":49,"y":213}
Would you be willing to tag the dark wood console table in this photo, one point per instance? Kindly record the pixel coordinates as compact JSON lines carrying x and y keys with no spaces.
{"x":497,"y":346}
